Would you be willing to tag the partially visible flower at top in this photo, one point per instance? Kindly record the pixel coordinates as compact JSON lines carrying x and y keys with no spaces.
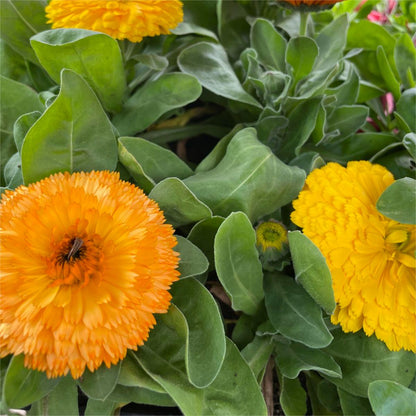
{"x":121,"y":19}
{"x":371,"y":257}
{"x":86,"y":260}
{"x":271,"y":234}
{"x":309,"y":4}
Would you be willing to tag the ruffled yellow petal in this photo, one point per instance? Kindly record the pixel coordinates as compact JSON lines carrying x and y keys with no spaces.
{"x":123,"y":19}
{"x":371,"y":258}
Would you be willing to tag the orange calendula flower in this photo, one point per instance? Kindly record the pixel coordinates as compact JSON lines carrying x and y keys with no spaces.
{"x":371,"y":257}
{"x":86,"y":260}
{"x":122,"y":19}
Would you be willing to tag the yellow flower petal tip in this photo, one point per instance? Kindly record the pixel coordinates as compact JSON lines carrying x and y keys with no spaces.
{"x":271,"y":234}
{"x":86,"y":261}
{"x":123,"y":19}
{"x":371,"y":258}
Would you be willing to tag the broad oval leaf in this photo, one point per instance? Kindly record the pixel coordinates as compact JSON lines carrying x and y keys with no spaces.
{"x":237,"y":263}
{"x":99,"y":384}
{"x":295,"y":357}
{"x":405,"y":107}
{"x":155,"y":98}
{"x":157,"y":162}
{"x":203,"y":234}
{"x":206,"y":338}
{"x":179,"y":205}
{"x":311,"y":270}
{"x":365,"y":359}
{"x":293,"y":312}
{"x":390,"y":398}
{"x":208,"y":62}
{"x":63,"y":400}
{"x":163,"y":358}
{"x":192,"y":260}
{"x":301,"y":54}
{"x":249,"y":178}
{"x":405,"y":59}
{"x":269,"y":44}
{"x":23,"y":386}
{"x":72,"y":49}
{"x":73,"y":134}
{"x":398,"y":201}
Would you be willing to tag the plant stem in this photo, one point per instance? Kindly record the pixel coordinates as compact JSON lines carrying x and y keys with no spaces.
{"x":303,"y":23}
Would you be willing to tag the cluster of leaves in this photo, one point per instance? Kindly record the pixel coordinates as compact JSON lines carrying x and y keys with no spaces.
{"x":279,"y":93}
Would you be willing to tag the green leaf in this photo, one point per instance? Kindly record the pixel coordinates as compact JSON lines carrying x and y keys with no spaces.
{"x":292,"y":397}
{"x":331,"y":42}
{"x":73,"y":134}
{"x":347,"y":92}
{"x":327,"y":394}
{"x":311,"y":270}
{"x":405,"y":59}
{"x":72,"y":49}
{"x":15,"y":99}
{"x":155,"y":98}
{"x":398,"y":201}
{"x":99,"y":384}
{"x":100,"y":408}
{"x":257,"y":354}
{"x":162,"y":356}
{"x":365,"y":359}
{"x":354,"y":405}
{"x":295,"y":357}
{"x":133,"y":375}
{"x":387,"y":73}
{"x":237,"y":263}
{"x":192,"y":260}
{"x":203,"y":234}
{"x":22,"y":126}
{"x":19,"y":20}
{"x":390,"y":398}
{"x":179,"y":205}
{"x":269,"y":44}
{"x":23,"y":386}
{"x":409,"y":142}
{"x":13,"y":172}
{"x":208,"y":62}
{"x":206,"y":340}
{"x":367,"y":36}
{"x":249,"y":178}
{"x":347,"y":119}
{"x":157,"y":162}
{"x":293,"y":312}
{"x":124,"y":394}
{"x":406,"y":107}
{"x":63,"y":400}
{"x":301,"y":54}
{"x":302,"y":122}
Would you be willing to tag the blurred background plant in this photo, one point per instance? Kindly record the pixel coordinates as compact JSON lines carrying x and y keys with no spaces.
{"x":220,"y":122}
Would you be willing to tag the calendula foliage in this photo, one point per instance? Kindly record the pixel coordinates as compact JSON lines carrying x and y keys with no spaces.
{"x":220,"y":120}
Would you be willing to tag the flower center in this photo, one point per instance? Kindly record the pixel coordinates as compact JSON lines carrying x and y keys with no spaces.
{"x":401,"y":243}
{"x":271,"y":234}
{"x":75,"y":260}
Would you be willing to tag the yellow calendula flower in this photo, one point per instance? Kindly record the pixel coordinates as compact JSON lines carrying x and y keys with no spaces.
{"x":371,"y":257}
{"x":122,"y":19}
{"x":86,"y":260}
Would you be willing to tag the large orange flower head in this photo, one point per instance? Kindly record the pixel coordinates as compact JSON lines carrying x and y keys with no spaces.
{"x":122,"y":19}
{"x":86,"y":260}
{"x":371,"y":257}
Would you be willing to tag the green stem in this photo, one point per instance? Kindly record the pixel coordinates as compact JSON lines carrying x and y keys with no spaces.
{"x":303,"y":23}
